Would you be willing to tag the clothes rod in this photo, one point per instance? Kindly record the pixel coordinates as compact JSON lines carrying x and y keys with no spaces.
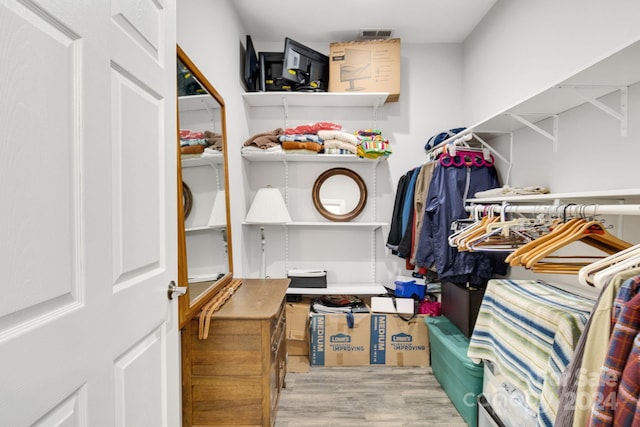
{"x":558,"y":210}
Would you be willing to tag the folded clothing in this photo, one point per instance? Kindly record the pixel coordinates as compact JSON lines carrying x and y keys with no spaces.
{"x":312,"y":128}
{"x":264,"y":140}
{"x":339,"y":135}
{"x":512,"y":191}
{"x":294,"y":145}
{"x":336,"y":143}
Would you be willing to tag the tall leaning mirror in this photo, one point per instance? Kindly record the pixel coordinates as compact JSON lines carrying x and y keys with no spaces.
{"x":204,"y":231}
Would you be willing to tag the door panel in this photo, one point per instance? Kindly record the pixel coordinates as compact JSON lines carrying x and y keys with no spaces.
{"x":88,"y":223}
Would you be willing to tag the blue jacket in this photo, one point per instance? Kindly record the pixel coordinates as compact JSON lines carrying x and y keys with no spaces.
{"x":448,"y":190}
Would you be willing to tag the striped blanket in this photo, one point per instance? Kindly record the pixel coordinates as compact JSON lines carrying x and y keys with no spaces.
{"x":529,"y":329}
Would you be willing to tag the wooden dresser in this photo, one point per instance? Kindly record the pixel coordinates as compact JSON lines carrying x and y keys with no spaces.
{"x":234,"y":377}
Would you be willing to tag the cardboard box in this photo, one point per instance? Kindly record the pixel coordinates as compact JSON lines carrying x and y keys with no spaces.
{"x":393,"y":305}
{"x":297,"y":327}
{"x":396,"y":342}
{"x":333,"y":343}
{"x":365,"y":66}
{"x":298,"y":364}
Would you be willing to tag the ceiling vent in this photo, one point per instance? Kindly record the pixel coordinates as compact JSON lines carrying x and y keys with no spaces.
{"x":375,"y":34}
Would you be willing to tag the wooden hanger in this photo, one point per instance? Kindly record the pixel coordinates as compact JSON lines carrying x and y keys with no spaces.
{"x":514,"y":258}
{"x":591,"y":229}
{"x":563,"y":231}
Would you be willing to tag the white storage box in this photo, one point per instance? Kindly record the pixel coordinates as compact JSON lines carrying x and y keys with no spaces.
{"x":387,"y":305}
{"x":507,"y":402}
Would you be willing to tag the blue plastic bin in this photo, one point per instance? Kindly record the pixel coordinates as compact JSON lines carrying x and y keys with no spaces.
{"x":409,"y":289}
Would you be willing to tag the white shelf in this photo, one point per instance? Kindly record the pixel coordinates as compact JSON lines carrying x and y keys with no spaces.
{"x":199,"y":278}
{"x":296,"y":157}
{"x":340,"y":289}
{"x":621,"y":69}
{"x":315,"y":99}
{"x":205,"y":228}
{"x":190,"y":160}
{"x":197,"y":102}
{"x":623,"y":194}
{"x":347,"y":224}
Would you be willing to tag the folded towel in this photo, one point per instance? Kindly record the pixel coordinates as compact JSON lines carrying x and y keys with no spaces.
{"x":512,"y":191}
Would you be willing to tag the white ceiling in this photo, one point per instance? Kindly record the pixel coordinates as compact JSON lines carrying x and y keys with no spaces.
{"x":326,"y":21}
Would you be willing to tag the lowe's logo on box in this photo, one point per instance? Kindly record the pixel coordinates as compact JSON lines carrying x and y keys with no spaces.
{"x":401,"y":337}
{"x":404,"y":342}
{"x":340,"y":338}
{"x":342,"y":342}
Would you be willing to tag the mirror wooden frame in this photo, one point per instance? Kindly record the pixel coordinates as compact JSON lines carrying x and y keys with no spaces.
{"x":324,"y":176}
{"x":188,"y":309}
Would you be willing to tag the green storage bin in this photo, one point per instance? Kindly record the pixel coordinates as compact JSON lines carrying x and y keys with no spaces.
{"x":460,"y":378}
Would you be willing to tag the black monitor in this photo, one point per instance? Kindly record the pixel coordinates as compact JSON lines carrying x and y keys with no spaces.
{"x":271,"y":72}
{"x":250,"y":66}
{"x":305,"y":68}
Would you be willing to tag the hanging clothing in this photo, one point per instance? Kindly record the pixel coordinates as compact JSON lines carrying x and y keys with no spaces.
{"x":625,"y":331}
{"x":408,"y":220}
{"x":395,"y":229}
{"x":448,"y":191}
{"x":576,"y":385}
{"x":627,"y":409}
{"x":419,"y":202}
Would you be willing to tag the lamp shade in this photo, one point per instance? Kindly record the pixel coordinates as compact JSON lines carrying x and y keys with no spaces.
{"x":218,"y":217}
{"x":268,"y":207}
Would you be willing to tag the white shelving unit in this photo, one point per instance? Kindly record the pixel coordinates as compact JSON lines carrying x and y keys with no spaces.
{"x":612,"y":195}
{"x":196,"y":103}
{"x":203,"y":174}
{"x":611,"y":77}
{"x":315,"y":99}
{"x":287,"y":100}
{"x":612,"y":74}
{"x":316,"y":158}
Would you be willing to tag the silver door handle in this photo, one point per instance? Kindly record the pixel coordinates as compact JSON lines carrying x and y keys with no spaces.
{"x":176,"y":291}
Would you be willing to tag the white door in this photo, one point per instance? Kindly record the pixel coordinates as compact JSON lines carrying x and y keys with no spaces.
{"x":88,"y":336}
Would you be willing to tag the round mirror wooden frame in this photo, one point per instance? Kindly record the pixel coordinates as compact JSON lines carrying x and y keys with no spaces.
{"x":348,"y":216}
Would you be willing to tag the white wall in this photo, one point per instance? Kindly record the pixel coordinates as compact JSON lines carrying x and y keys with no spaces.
{"x":523,"y":47}
{"x":430,"y":101}
{"x":210,"y":33}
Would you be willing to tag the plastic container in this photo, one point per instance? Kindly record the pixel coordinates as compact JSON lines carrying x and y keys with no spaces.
{"x":460,"y":378}
{"x":409,"y":289}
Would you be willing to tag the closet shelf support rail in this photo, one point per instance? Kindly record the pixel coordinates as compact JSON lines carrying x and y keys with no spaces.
{"x":559,"y":210}
{"x":552,"y":137}
{"x":621,"y":116}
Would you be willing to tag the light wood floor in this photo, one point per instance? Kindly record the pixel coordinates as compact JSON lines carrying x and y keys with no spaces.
{"x":365,"y":396}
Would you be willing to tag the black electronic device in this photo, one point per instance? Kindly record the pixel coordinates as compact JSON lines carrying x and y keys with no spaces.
{"x":187,"y":84}
{"x":250,"y":75}
{"x":306,"y":68}
{"x":271,"y":72}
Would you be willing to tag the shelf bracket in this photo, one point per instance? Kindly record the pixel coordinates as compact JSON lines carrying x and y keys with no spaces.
{"x":286,"y":112}
{"x":621,"y":116}
{"x":552,"y":137}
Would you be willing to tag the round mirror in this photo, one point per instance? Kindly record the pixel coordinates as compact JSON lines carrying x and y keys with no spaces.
{"x":339,"y":194}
